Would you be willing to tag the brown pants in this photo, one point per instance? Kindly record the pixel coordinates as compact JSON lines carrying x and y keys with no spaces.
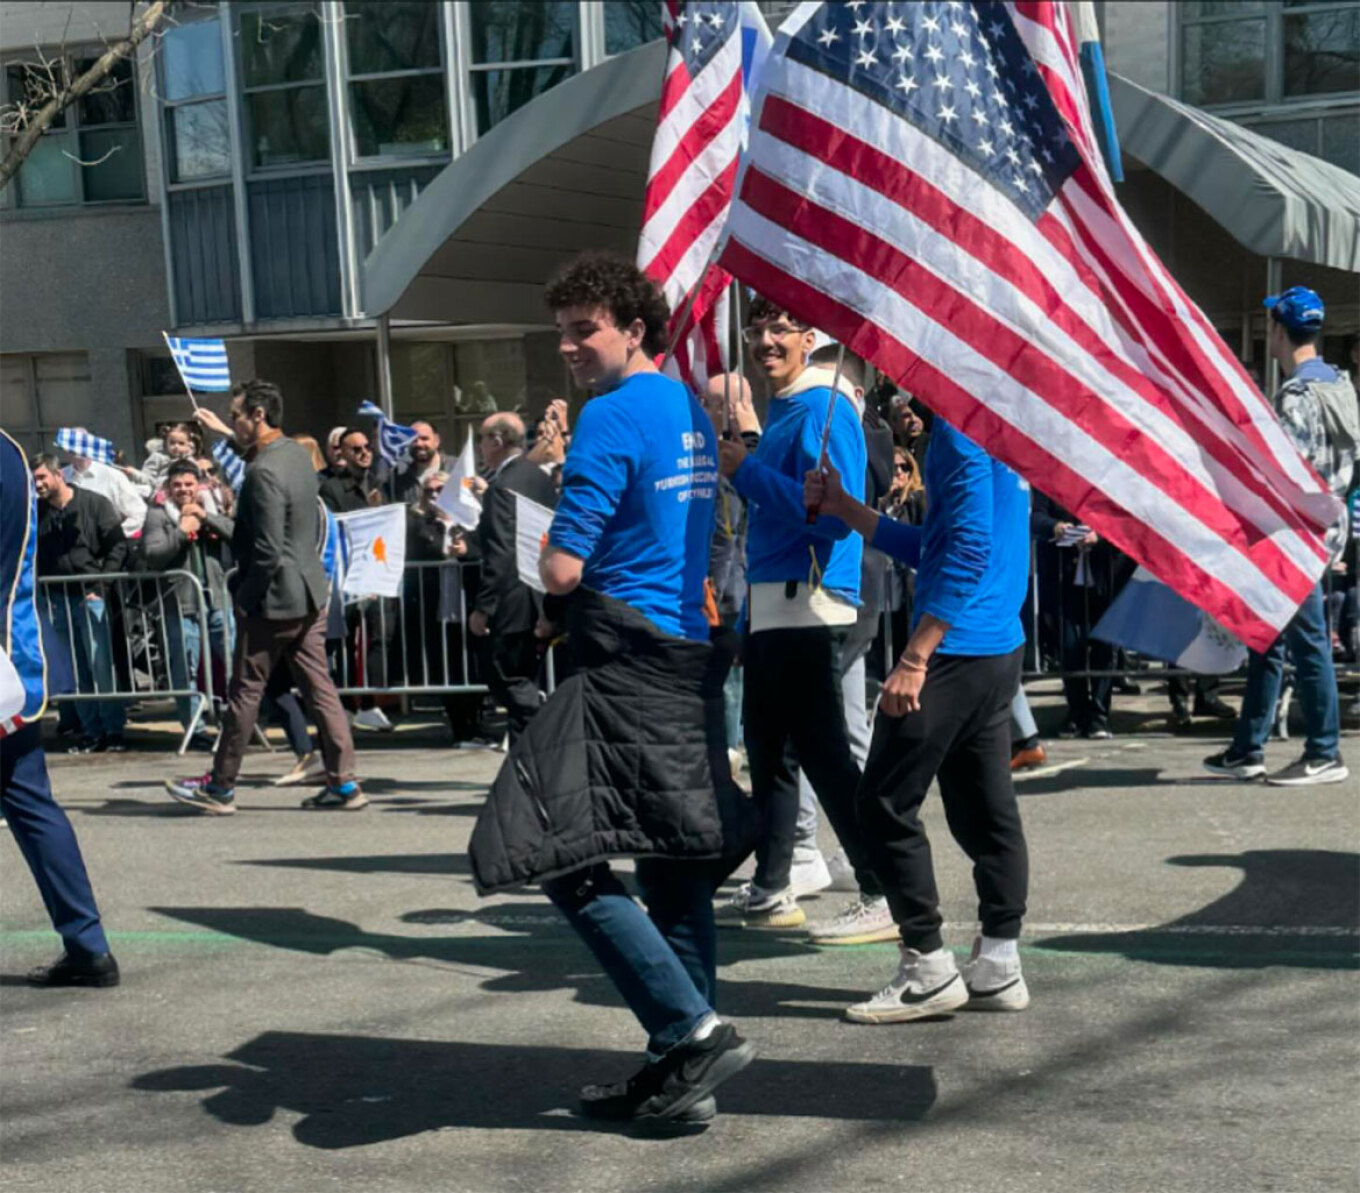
{"x":260,"y":644}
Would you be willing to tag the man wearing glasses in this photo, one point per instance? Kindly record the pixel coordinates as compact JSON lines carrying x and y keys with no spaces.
{"x":352,"y":488}
{"x":804,"y":579}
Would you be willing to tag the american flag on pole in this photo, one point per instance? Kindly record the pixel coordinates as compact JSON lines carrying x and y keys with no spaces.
{"x":78,"y":442}
{"x":924,"y":183}
{"x":714,"y":47}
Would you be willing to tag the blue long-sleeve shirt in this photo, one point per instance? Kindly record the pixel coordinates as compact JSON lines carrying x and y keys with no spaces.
{"x":638,"y":490}
{"x":972,"y":553}
{"x":780,"y":543}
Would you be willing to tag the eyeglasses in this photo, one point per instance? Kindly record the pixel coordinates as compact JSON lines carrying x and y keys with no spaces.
{"x":780,"y":331}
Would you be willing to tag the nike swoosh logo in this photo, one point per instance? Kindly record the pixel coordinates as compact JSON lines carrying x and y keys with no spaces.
{"x":994,"y":992}
{"x":908,"y":998}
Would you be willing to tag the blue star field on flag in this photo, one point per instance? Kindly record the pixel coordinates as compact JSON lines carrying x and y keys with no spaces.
{"x":960,"y":74}
{"x":702,"y":28}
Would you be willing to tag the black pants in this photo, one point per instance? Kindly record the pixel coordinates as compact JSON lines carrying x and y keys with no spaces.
{"x":510,"y":668}
{"x":962,"y":734}
{"x":792,"y":697}
{"x":1088,"y":700}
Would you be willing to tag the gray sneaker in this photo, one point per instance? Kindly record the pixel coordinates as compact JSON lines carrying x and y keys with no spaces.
{"x":1310,"y":772}
{"x":864,"y":921}
{"x":752,"y":907}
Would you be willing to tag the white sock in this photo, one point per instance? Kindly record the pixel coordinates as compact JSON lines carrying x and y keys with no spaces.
{"x":705,"y":1028}
{"x":996,"y":949}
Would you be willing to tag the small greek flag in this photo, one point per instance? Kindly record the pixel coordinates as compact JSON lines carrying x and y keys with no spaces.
{"x":202,"y":364}
{"x":233,"y":467}
{"x":394,"y":440}
{"x":82,"y":443}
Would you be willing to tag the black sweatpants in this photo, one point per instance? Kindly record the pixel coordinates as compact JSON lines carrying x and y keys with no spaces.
{"x":792,"y":697}
{"x":510,"y":666}
{"x":962,"y":733}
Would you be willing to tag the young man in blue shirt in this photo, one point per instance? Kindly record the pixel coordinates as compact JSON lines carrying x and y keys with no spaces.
{"x":804,"y":596}
{"x":634,"y":523}
{"x":945,"y":712}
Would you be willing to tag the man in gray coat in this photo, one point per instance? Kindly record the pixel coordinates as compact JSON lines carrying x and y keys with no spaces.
{"x":281,"y":593}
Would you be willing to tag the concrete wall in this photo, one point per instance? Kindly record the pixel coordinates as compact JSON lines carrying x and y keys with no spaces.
{"x":1137,"y":42}
{"x":323,"y":381}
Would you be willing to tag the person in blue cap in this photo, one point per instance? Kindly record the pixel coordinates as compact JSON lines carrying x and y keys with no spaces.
{"x":1317,"y":405}
{"x":40,"y":827}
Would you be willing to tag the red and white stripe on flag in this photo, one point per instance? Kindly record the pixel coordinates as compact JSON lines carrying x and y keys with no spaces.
{"x":691,"y":178}
{"x":1058,"y":343}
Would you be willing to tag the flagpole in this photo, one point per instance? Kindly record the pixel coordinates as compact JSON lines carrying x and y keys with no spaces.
{"x":165,"y":335}
{"x":688,"y":305}
{"x":822,"y":460}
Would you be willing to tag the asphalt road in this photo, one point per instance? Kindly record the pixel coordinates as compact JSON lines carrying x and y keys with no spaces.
{"x":320,"y":1001}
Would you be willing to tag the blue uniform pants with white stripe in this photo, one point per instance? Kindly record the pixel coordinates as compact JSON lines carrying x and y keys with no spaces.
{"x":48,"y":843}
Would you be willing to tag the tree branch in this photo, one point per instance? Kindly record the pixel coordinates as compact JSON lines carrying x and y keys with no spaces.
{"x":71,"y":92}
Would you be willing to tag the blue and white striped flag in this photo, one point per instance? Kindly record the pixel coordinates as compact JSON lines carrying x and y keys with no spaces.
{"x":82,"y":443}
{"x":233,"y":467}
{"x":202,"y":363}
{"x":394,"y":440}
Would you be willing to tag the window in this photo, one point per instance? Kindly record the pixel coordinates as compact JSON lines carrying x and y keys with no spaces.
{"x":93,"y":151}
{"x":519,"y":51}
{"x":396,"y":79}
{"x":283,"y":74}
{"x":42,"y":393}
{"x":629,"y":23}
{"x":1253,"y":51}
{"x":193,"y":91}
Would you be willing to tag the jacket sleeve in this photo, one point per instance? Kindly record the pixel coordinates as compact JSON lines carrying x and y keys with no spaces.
{"x":221,"y":525}
{"x":900,"y":540}
{"x":267,"y":510}
{"x":162,"y":540}
{"x":496,"y":538}
{"x":964,"y":501}
{"x":113,"y":546}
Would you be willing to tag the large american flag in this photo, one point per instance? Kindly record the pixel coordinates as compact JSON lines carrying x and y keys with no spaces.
{"x":923,"y":182}
{"x":700,"y":131}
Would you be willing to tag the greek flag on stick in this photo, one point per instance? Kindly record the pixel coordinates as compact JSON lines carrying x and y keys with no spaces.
{"x":82,"y":443}
{"x":233,"y":467}
{"x":202,"y":363}
{"x":394,"y":440}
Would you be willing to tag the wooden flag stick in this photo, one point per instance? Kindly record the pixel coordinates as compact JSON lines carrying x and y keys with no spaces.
{"x":822,"y":460}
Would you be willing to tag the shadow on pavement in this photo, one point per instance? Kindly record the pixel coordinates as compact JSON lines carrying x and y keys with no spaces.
{"x":1298,"y":907}
{"x":352,"y":1091}
{"x":378,"y":863}
{"x":533,"y":947}
{"x":1082,"y":778}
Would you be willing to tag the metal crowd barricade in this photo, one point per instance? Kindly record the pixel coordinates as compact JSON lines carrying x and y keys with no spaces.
{"x":126,"y":648}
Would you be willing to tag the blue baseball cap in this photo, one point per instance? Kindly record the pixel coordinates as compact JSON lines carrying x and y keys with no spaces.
{"x":1298,"y":308}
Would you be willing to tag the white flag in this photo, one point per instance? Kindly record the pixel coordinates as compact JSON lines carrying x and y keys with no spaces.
{"x":374,"y":546}
{"x":531,"y":536}
{"x":458,"y":500}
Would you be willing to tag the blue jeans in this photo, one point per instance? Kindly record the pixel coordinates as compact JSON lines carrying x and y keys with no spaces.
{"x":45,"y":838}
{"x":82,"y":623}
{"x":184,"y":642}
{"x":1310,"y":647}
{"x":662,"y":961}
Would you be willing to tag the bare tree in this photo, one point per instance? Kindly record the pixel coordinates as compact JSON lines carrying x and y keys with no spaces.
{"x":51,"y":89}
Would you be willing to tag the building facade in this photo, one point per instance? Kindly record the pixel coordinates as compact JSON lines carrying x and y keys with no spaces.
{"x":258,"y":174}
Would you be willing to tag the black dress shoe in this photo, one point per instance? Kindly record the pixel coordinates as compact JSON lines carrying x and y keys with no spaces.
{"x":70,"y":970}
{"x":1216,"y":708}
{"x":114,"y":743}
{"x":87,"y":745}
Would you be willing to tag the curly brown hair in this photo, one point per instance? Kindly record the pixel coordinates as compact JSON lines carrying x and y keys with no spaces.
{"x":606,"y":280}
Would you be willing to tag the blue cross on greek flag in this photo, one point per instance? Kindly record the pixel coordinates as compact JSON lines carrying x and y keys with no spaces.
{"x":202,"y":364}
{"x":394,"y":440}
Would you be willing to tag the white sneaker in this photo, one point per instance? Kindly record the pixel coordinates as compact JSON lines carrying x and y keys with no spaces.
{"x":307,"y":768}
{"x":994,"y":985}
{"x":751,"y":907}
{"x":865,"y":921}
{"x":808,"y":874}
{"x":372,"y":718}
{"x":842,"y":873}
{"x":925,"y":987}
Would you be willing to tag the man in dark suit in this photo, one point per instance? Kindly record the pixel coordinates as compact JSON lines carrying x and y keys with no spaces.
{"x":506,"y":608}
{"x":281,"y":593}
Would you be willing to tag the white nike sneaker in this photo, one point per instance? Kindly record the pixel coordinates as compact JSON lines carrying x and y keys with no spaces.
{"x":994,"y":985}
{"x":925,"y":987}
{"x":808,"y":874}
